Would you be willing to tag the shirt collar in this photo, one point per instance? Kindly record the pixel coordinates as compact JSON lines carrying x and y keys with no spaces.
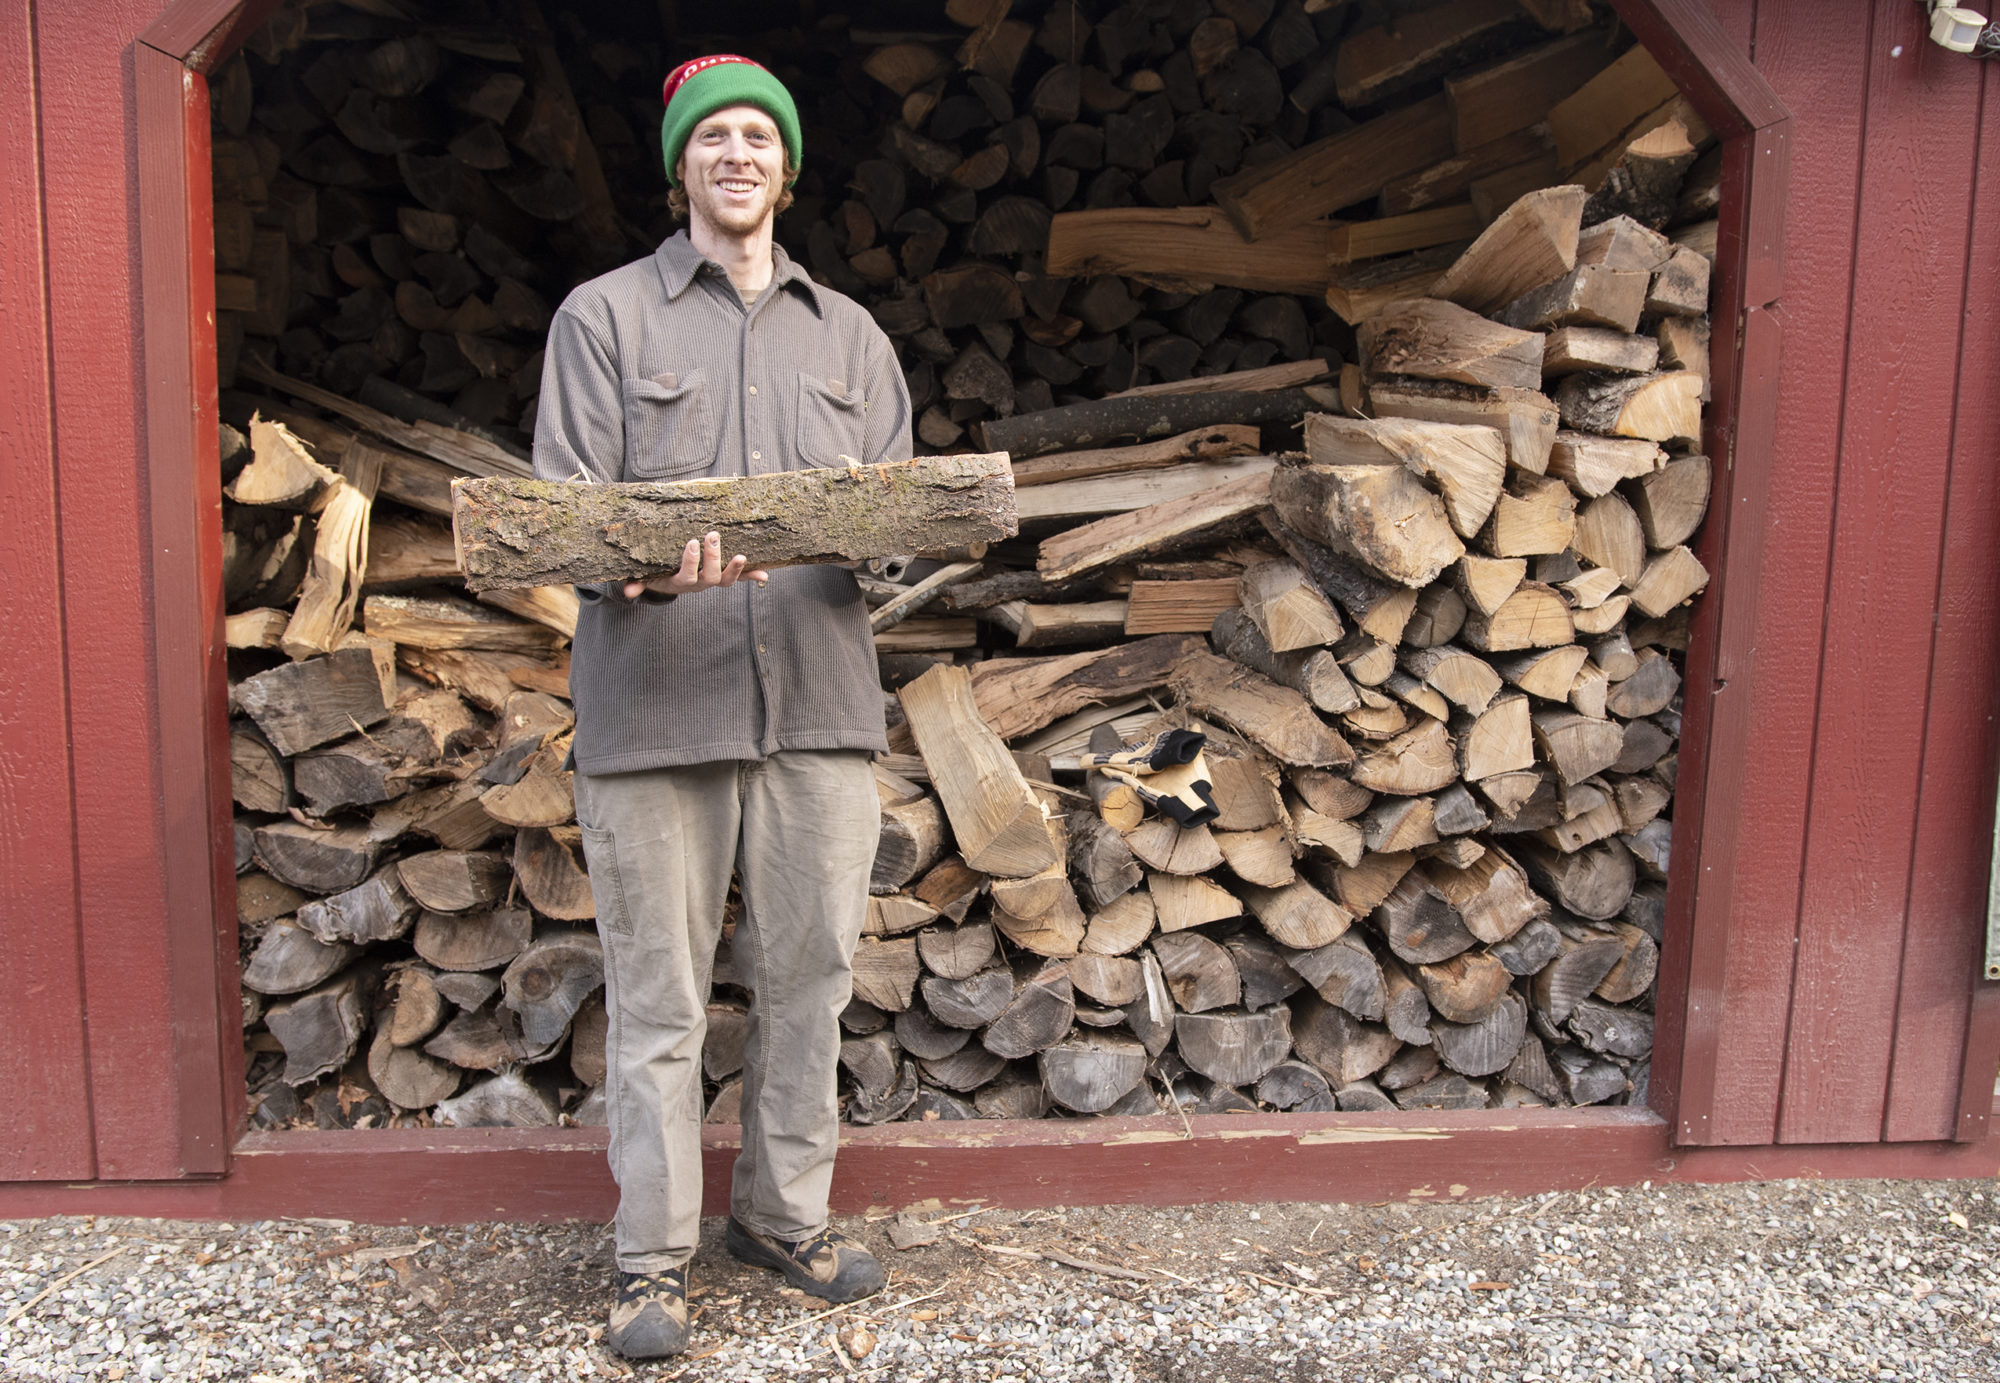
{"x":679,"y":261}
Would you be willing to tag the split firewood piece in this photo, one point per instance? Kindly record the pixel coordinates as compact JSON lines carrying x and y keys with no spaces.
{"x":971,"y":1002}
{"x":1671,"y":501}
{"x":503,"y":1101}
{"x":1534,"y":616}
{"x":1121,"y":494}
{"x":1288,"y":610}
{"x":1363,"y":1097}
{"x":1457,"y":815}
{"x":1039,"y":1015}
{"x":1000,"y":824}
{"x":438,"y":622}
{"x":455,"y":880}
{"x":1607,"y":105}
{"x":893,"y":914}
{"x":1088,"y":1072}
{"x":1622,"y":243}
{"x":1336,"y":171}
{"x":1613,"y":1029}
{"x":1683,"y":343}
{"x":1587,"y":694}
{"x":1491,"y":895}
{"x":1525,"y":418}
{"x":1176,"y":607}
{"x":546,"y":984}
{"x":1420,"y":698}
{"x":1108,"y":540}
{"x":1484,"y":583}
{"x":1435,"y":339}
{"x":1349,"y":241}
{"x":1381,"y":516}
{"x":1199,"y":974}
{"x":956,"y":953}
{"x":1369,"y":662}
{"x":912,"y":838}
{"x":1496,"y":742}
{"x":1610,"y":536}
{"x":1590,"y":295}
{"x":923,"y":1036}
{"x":1577,"y":747}
{"x":1186,"y":245}
{"x":1594,"y":466}
{"x":1465,"y":988}
{"x":334,"y":575}
{"x":1484,"y":1047}
{"x":1548,"y":673}
{"x":1121,"y":925}
{"x":1298,"y":915}
{"x":290,"y":960}
{"x":1451,"y":179}
{"x":1418,"y":761}
{"x":1056,"y":932}
{"x":1380,"y":609}
{"x":1590,"y":587}
{"x":1260,"y":857}
{"x":1588,"y":814}
{"x":1535,"y":516}
{"x":950,"y":888}
{"x":1670,"y":578}
{"x":1360,"y":888}
{"x":1466,"y":681}
{"x":1295,"y":1086}
{"x":1405,"y":1010}
{"x":539,"y":533}
{"x":1439,"y":615}
{"x":1313,"y":672}
{"x":409,"y":1078}
{"x":1531,"y":242}
{"x":377,"y":909}
{"x":1594,"y":883}
{"x":316,"y":861}
{"x":1514,"y":93}
{"x":1466,"y":462}
{"x":259,"y":777}
{"x":1643,"y":180}
{"x":1573,"y":350}
{"x":320,"y":1030}
{"x":1201,"y":444}
{"x":1103,"y":422}
{"x":305,"y":704}
{"x":1247,"y":790}
{"x":1234,"y":1048}
{"x":1181,"y":901}
{"x":1640,"y":801}
{"x":1662,"y":407}
{"x":1100,"y":859}
{"x":1419,"y":922}
{"x":1530,"y":1069}
{"x":1017,"y":696}
{"x":1114,"y":981}
{"x":1345,"y":972}
{"x":543,"y":796}
{"x":1376,"y":62}
{"x":260,"y":628}
{"x":1340,"y":839}
{"x":1614,"y":654}
{"x":1272,"y":716}
{"x":359,"y":772}
{"x":473,"y":941}
{"x":1396,"y":824}
{"x":282,"y":473}
{"x":1342,"y":1046}
{"x":886,"y":972}
{"x":1361,"y":291}
{"x":1172,"y":849}
{"x":1264,"y":968}
{"x":1651,"y":687}
{"x":1633,"y":975}
{"x":1584,"y":956}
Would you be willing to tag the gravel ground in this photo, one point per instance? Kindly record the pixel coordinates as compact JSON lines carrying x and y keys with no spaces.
{"x":1787,"y":1280}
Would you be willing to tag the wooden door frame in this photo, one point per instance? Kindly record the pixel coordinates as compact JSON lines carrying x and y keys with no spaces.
{"x":180,"y":404}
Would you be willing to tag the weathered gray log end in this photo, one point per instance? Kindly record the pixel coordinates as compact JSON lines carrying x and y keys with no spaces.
{"x":513,"y":532}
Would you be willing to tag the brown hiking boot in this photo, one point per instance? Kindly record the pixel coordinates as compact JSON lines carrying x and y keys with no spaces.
{"x":828,"y":1264}
{"x":650,"y":1318}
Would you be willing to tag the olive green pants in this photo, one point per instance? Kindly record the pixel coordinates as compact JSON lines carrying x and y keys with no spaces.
{"x":800,"y":829}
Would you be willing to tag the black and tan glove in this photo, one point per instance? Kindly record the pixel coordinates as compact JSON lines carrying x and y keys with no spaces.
{"x":1167,"y":771}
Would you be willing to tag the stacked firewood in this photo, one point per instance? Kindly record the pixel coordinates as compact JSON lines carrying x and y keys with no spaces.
{"x":1422,"y":643}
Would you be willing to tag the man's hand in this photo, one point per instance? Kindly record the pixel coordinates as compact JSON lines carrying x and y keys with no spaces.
{"x":701,"y":567}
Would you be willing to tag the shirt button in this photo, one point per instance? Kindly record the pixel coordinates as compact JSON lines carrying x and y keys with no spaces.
{"x":756,"y":456}
{"x":753,"y":391}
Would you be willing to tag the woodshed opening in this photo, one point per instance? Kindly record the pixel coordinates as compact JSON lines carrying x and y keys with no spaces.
{"x":1352,"y":358}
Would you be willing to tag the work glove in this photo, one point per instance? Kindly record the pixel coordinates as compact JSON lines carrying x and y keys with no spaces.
{"x":1167,"y":771}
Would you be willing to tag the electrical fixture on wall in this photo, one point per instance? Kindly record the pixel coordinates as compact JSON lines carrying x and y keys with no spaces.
{"x":1963,"y":31}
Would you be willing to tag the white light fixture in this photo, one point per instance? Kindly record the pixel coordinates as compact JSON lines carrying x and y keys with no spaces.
{"x":1956,"y":28}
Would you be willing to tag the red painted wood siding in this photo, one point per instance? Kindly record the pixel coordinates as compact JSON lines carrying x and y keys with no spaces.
{"x":43,"y":1080}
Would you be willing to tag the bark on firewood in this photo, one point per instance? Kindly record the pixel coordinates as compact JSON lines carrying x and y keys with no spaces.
{"x":1381,"y":609}
{"x":1381,"y":516}
{"x":1272,"y":716}
{"x":1105,"y":422}
{"x":1531,"y":242}
{"x":1435,"y":339}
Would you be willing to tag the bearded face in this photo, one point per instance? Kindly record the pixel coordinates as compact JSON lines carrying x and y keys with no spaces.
{"x":733,"y":171}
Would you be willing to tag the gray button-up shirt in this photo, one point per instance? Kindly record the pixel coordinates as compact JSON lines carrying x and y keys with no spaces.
{"x":657,"y":371}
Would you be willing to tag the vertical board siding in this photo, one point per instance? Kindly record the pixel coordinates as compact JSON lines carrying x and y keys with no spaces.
{"x":43,"y":1077}
{"x":1941,"y":950}
{"x":85,"y":59}
{"x":1819,"y":78}
{"x":1895,"y":453}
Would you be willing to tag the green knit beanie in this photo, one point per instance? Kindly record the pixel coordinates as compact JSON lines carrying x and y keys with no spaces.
{"x":698,"y":89}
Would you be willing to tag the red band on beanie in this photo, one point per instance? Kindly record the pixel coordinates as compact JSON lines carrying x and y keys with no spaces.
{"x":688,"y":69}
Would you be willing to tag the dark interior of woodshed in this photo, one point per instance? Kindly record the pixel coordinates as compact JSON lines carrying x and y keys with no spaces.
{"x":404,"y":191}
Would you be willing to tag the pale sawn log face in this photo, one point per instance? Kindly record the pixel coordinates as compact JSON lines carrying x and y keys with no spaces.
{"x":539,"y":533}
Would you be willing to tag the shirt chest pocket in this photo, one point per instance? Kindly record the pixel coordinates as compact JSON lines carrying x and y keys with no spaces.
{"x":670,"y":426}
{"x":832,"y":422}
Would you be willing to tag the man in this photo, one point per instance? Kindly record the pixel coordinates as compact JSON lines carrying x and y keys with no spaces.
{"x":724,"y":716}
